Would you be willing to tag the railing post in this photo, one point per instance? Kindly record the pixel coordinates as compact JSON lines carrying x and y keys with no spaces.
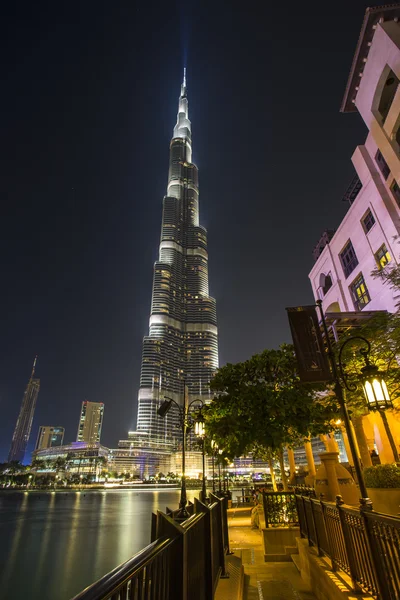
{"x":315,"y":526}
{"x":348,"y":545}
{"x":224,"y":509}
{"x":200,"y":507}
{"x":153,"y":527}
{"x":305,"y":519}
{"x":265,"y":509}
{"x":178,"y":579}
{"x":373,"y":549}
{"x":220,"y":533}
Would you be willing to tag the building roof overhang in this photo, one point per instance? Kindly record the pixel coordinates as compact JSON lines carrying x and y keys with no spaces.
{"x":373,"y":15}
{"x":343,"y":321}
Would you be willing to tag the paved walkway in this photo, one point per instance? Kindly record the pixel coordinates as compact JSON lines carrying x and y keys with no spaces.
{"x":263,"y":580}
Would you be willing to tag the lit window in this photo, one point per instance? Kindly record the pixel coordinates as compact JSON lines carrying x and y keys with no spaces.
{"x":382,"y":164}
{"x":368,"y":221}
{"x":359,"y":293}
{"x":348,"y":259}
{"x":382,"y":257}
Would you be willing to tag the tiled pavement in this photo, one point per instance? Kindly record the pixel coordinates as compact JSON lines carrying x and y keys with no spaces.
{"x":263,"y":580}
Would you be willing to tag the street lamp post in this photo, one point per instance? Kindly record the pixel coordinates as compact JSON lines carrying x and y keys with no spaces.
{"x":185,"y":423}
{"x":200,"y":431}
{"x":372,"y":389}
{"x":219,"y":471}
{"x":214,"y":447}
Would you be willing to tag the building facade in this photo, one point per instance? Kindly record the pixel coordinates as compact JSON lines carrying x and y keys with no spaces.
{"x":366,"y":239}
{"x":23,"y":426}
{"x":140,"y":456}
{"x":49,"y":436}
{"x":81,"y":457}
{"x":90,"y":422}
{"x":182,"y":345}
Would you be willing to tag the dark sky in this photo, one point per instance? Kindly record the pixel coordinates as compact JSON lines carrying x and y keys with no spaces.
{"x":88,"y":104}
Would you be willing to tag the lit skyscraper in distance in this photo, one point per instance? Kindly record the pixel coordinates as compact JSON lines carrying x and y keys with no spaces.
{"x":48,"y":437}
{"x":182,"y":345}
{"x":23,"y":426}
{"x":90,"y":422}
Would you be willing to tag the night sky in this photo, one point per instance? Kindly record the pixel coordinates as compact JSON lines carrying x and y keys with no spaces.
{"x":88,"y":104}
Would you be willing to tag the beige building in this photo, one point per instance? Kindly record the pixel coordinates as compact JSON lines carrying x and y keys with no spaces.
{"x":90,"y":422}
{"x":49,"y":436}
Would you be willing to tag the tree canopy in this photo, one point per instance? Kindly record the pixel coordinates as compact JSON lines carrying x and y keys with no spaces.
{"x":261,"y":404}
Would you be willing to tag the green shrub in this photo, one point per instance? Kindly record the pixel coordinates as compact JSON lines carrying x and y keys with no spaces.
{"x":382,"y":476}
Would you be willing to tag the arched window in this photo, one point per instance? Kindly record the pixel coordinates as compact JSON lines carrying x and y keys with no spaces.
{"x":325,"y":282}
{"x":385,"y":92}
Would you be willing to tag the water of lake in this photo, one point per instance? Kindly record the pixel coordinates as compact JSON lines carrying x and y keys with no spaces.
{"x":55,"y":544}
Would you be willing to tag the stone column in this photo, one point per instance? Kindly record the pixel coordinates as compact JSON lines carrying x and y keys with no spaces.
{"x":381,"y":439}
{"x":292,"y":465}
{"x":332,"y":479}
{"x":329,"y":460}
{"x":347,"y":446}
{"x":394,"y":424}
{"x":283,"y":472}
{"x":361,"y":441}
{"x":310,"y":479}
{"x":368,"y":427}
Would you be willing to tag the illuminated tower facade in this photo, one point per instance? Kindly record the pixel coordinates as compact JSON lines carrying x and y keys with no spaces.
{"x":23,"y":426}
{"x":90,"y":422}
{"x":182,"y":345}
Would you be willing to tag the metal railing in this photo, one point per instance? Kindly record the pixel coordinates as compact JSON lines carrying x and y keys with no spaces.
{"x":146,"y":575}
{"x":362,"y":543}
{"x":183,"y":562}
{"x":280,"y":509}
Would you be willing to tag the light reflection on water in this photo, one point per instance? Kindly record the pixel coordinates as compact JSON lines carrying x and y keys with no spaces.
{"x":55,"y":544}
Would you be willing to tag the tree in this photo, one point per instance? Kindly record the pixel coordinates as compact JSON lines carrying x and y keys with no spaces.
{"x":60,"y":464}
{"x":261,"y":405}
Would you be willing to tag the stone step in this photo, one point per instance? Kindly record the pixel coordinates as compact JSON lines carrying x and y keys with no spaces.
{"x":296,"y":561}
{"x":291,"y":550}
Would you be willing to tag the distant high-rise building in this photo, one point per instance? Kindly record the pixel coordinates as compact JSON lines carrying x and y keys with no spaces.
{"x":23,"y":426}
{"x":49,"y":436}
{"x":182,"y":345}
{"x":90,"y":422}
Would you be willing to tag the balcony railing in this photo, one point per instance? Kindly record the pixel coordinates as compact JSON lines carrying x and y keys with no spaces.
{"x":184,"y":562}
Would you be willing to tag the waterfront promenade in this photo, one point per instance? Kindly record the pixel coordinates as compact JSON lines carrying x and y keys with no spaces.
{"x":262,"y":580}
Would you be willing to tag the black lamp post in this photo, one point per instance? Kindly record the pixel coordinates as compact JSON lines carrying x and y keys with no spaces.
{"x":219,"y":471}
{"x":373,"y":389}
{"x":185,"y":422}
{"x":200,"y":431}
{"x":214,"y":447}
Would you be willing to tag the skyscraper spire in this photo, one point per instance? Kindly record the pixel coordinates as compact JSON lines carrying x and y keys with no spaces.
{"x":34,"y":367}
{"x":183,"y":126}
{"x":23,"y":426}
{"x":183,"y":86}
{"x":181,"y":350}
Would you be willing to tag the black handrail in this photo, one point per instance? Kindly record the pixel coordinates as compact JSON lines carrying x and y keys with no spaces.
{"x":121,"y":575}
